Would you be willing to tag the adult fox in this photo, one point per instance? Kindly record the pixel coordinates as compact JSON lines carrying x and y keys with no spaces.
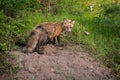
{"x":47,"y":30}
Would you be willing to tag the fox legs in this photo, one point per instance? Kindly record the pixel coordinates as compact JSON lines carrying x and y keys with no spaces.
{"x":58,"y":40}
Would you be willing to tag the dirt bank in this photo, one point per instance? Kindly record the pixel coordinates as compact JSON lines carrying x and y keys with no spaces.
{"x":60,"y":63}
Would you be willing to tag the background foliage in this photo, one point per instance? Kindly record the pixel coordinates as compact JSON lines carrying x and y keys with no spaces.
{"x":18,"y":18}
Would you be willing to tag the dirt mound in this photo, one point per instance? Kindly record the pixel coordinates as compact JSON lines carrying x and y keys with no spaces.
{"x":59,"y":63}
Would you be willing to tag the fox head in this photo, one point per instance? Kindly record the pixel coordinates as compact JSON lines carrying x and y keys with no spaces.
{"x":68,"y":24}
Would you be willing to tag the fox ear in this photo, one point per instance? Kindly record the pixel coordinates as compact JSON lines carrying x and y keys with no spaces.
{"x":64,"y":20}
{"x":73,"y":21}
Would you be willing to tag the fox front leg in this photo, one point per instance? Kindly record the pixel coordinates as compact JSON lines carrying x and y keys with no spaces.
{"x":58,"y":40}
{"x":54,"y":41}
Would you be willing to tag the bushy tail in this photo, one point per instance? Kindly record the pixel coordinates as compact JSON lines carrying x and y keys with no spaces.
{"x":32,"y":42}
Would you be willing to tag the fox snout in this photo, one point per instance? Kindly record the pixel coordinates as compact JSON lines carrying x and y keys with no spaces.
{"x":68,"y":30}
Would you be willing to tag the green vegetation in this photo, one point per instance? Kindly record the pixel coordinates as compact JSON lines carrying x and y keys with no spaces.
{"x":18,"y":18}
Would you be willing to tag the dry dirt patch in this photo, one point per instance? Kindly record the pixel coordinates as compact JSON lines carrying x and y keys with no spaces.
{"x":60,"y":63}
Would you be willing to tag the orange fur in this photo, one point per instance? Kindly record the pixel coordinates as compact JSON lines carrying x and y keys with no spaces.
{"x":47,"y":30}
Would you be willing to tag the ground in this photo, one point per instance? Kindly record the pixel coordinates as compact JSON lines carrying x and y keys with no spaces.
{"x":59,"y":63}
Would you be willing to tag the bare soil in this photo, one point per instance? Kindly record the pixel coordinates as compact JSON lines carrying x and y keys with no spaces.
{"x":59,"y":63}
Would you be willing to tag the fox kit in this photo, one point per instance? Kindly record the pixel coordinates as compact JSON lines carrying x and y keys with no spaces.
{"x":47,"y":31}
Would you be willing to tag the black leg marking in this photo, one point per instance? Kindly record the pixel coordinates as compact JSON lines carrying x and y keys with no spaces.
{"x":54,"y":40}
{"x":58,"y":39}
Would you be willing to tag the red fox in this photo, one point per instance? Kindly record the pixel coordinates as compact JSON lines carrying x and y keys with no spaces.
{"x":48,"y":30}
